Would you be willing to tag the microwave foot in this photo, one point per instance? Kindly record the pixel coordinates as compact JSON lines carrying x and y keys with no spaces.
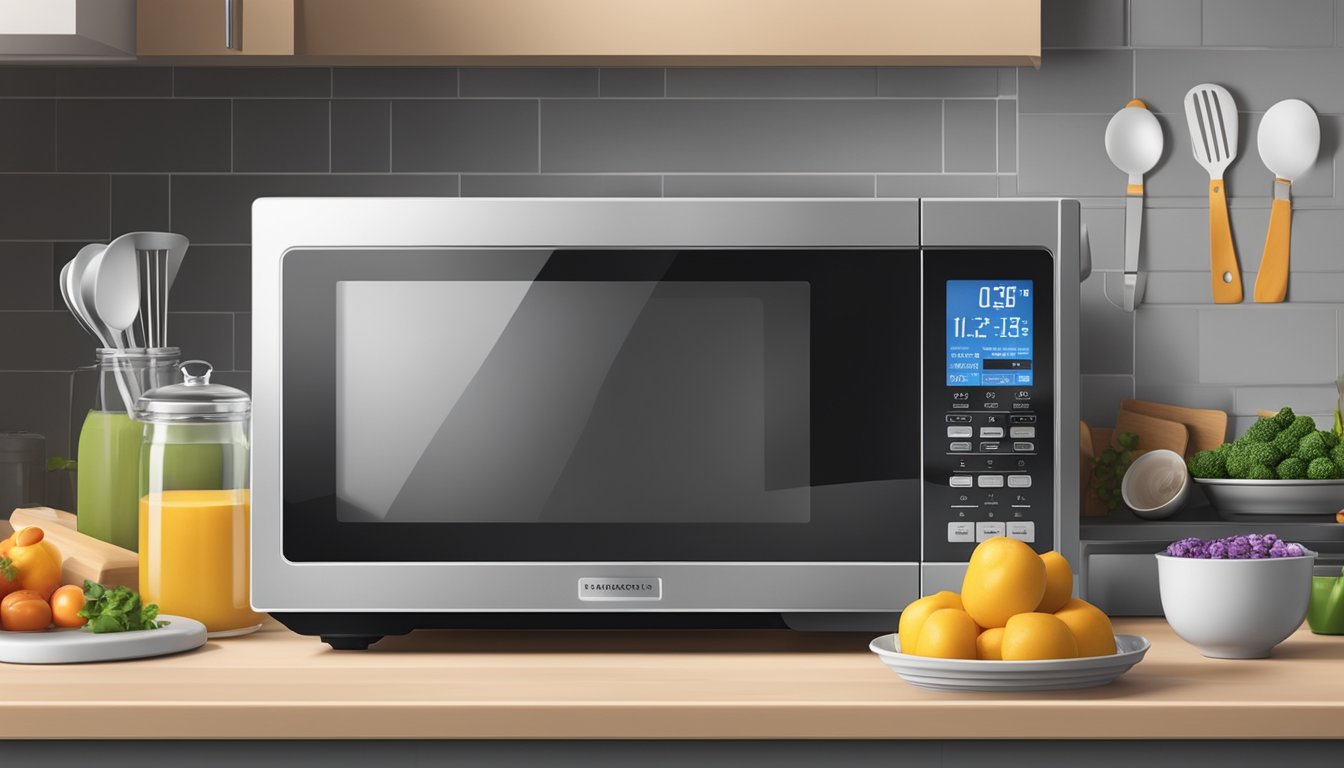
{"x":350,"y":642}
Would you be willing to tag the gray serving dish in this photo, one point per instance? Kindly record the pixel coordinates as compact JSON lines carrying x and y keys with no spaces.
{"x":1274,"y":497}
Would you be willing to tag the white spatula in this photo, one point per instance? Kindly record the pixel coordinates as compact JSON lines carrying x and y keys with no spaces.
{"x":1212,"y":116}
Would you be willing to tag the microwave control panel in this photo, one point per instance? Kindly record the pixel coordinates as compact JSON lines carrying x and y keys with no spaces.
{"x":988,"y":400}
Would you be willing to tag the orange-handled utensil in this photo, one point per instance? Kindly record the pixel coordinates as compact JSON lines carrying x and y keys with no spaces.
{"x":1289,"y":140}
{"x":1211,"y":115}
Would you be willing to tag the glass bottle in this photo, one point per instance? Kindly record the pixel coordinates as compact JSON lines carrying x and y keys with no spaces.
{"x":108,"y":480}
{"x":194,"y":505}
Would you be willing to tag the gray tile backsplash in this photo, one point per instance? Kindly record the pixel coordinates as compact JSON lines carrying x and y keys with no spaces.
{"x":89,"y":152}
{"x":1169,"y":23}
{"x":745,"y":136}
{"x":281,"y":135}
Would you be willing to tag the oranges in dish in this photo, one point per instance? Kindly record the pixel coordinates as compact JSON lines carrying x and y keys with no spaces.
{"x":1014,"y":605}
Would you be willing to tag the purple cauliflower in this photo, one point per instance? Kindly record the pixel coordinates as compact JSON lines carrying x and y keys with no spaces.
{"x":1252,"y":547}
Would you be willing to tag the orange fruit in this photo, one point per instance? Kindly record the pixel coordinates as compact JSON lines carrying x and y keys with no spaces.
{"x":1058,"y":583}
{"x":1090,"y":627}
{"x":914,"y":615}
{"x":989,"y":645}
{"x":1005,"y":577}
{"x":948,"y":633}
{"x":1033,"y":636}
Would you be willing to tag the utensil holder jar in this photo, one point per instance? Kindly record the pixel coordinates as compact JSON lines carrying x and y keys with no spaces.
{"x":109,"y":443}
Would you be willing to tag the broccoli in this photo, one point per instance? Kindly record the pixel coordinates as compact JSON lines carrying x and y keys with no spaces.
{"x":1311,"y":447}
{"x":1208,"y":465}
{"x":1283,"y":418}
{"x":1337,"y":453}
{"x":1322,"y":469}
{"x":1331,"y":439}
{"x":1261,"y":472}
{"x":1292,"y":468}
{"x":1287,"y":440}
{"x":1238,"y":463}
{"x":1261,"y":431}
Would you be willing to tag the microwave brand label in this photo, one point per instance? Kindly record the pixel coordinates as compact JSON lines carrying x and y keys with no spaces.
{"x":620,"y":588}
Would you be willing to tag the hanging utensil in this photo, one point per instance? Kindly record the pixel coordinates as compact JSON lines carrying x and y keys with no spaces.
{"x":1134,"y":144}
{"x":1289,"y":140}
{"x":1212,"y":117}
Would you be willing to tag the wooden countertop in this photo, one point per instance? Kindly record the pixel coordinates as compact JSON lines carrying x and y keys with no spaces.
{"x":740,"y":685}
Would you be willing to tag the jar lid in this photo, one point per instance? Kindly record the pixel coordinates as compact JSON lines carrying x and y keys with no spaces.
{"x":194,"y":400}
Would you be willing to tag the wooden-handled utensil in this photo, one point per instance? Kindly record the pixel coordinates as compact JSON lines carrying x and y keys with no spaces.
{"x":1211,"y":115}
{"x":1289,"y":140}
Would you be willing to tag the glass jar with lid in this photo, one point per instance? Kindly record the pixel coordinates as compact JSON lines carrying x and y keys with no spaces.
{"x":194,"y":501}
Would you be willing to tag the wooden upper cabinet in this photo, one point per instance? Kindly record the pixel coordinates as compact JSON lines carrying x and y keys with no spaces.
{"x":605,"y":32}
{"x":214,"y":28}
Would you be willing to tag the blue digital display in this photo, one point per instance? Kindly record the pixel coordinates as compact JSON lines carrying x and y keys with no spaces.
{"x":989,"y":333}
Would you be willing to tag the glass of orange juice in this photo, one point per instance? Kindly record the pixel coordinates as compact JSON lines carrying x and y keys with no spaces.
{"x":194,"y":502}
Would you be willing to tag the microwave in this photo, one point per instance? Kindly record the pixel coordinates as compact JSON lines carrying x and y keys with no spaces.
{"x":644,"y":413}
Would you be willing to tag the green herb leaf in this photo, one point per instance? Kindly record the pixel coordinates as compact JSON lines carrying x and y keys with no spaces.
{"x":8,"y":570}
{"x":117,"y":609}
{"x":58,"y":463}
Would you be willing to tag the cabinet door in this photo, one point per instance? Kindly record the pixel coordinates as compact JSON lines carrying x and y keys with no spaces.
{"x":202,"y":27}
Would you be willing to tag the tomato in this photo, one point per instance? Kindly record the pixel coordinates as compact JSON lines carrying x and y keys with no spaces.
{"x":66,"y":603}
{"x":24,"y":610}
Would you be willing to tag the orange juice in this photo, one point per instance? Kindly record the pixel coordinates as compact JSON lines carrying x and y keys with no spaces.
{"x":194,"y":556}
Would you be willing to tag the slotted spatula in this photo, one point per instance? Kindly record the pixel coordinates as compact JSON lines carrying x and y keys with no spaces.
{"x":1212,"y":116}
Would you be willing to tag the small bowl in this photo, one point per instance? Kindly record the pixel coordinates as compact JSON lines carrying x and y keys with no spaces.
{"x":1235,"y":609}
{"x":1156,"y":484}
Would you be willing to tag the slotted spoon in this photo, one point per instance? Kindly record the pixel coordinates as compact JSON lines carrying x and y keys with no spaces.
{"x":1212,"y":116}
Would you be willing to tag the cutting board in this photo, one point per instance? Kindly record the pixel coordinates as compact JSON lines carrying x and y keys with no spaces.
{"x":1207,"y":428}
{"x":1154,"y":433}
{"x":83,"y":557}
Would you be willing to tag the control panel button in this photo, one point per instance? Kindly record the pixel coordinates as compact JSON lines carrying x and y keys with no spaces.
{"x":990,"y":481}
{"x":960,"y":481}
{"x":1024,"y":447}
{"x":960,"y":431}
{"x":959,"y":446}
{"x":992,"y":432}
{"x":960,"y":532}
{"x":1019,"y":481}
{"x":1022,"y":418}
{"x":1022,"y":432}
{"x":989,"y":447}
{"x":1022,"y":530}
{"x":1022,"y":394}
{"x":959,"y":418}
{"x":988,"y":530}
{"x":990,"y":406}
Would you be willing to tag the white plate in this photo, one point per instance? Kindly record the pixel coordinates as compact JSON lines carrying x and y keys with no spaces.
{"x":1274,"y":497}
{"x":1052,"y":675}
{"x":72,"y":646}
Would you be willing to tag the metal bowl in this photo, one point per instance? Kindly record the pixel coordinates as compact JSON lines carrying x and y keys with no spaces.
{"x":1274,"y":497}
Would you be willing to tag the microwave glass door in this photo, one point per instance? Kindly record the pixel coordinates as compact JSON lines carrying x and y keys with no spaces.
{"x":492,"y":405}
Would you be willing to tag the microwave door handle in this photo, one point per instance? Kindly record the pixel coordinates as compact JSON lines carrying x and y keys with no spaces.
{"x":1084,"y":254}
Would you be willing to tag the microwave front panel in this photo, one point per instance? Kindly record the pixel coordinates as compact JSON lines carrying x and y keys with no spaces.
{"x":989,"y":399}
{"x":535,"y":405}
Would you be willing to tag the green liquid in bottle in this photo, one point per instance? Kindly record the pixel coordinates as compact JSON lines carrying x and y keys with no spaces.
{"x":109,"y":478}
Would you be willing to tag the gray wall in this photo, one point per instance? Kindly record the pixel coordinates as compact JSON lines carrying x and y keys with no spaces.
{"x":88,"y":153}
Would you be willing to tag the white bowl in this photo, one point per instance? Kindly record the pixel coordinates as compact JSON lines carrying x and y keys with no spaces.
{"x":1235,"y":609}
{"x":1156,"y":484}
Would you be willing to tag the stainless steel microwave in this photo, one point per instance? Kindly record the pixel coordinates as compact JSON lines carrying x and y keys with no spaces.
{"x":653,"y":413}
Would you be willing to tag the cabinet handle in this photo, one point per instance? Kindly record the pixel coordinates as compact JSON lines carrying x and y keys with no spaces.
{"x":228,"y":24}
